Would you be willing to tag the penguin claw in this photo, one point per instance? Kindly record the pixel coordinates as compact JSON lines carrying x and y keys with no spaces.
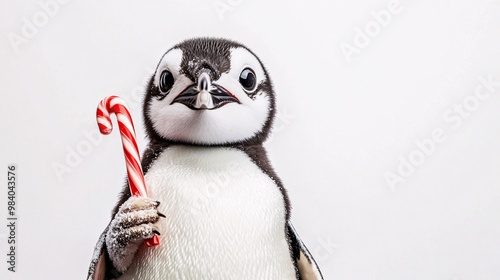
{"x":132,"y":224}
{"x":137,"y":204}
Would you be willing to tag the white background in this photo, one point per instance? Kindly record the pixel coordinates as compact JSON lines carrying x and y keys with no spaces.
{"x":342,"y":126}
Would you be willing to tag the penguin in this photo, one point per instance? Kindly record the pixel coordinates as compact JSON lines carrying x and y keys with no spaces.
{"x":215,"y":201}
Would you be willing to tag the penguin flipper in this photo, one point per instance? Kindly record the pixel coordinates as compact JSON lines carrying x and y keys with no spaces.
{"x":307,"y":267}
{"x":97,"y":268}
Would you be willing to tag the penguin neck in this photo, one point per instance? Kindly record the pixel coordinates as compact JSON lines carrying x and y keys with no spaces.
{"x":255,"y":151}
{"x":246,"y":144}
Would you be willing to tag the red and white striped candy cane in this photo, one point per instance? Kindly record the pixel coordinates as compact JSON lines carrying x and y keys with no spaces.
{"x":114,"y":104}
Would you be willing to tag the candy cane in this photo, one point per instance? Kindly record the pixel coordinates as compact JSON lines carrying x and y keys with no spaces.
{"x":114,"y":104}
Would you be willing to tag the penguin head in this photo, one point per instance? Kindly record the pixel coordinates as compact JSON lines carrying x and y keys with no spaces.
{"x":209,"y":91}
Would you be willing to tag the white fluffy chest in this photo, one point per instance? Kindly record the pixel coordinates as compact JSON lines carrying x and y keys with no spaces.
{"x":225,"y":219}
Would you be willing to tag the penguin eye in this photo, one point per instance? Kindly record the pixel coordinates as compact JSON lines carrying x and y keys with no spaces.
{"x":248,"y":79}
{"x":166,"y":81}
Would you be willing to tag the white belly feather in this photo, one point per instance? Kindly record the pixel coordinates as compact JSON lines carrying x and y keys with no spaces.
{"x":225,"y":219}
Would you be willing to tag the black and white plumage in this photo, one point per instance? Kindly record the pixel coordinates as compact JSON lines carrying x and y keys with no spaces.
{"x":226,"y":215}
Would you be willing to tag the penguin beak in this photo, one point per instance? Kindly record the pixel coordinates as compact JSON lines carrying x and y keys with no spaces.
{"x":205,"y":95}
